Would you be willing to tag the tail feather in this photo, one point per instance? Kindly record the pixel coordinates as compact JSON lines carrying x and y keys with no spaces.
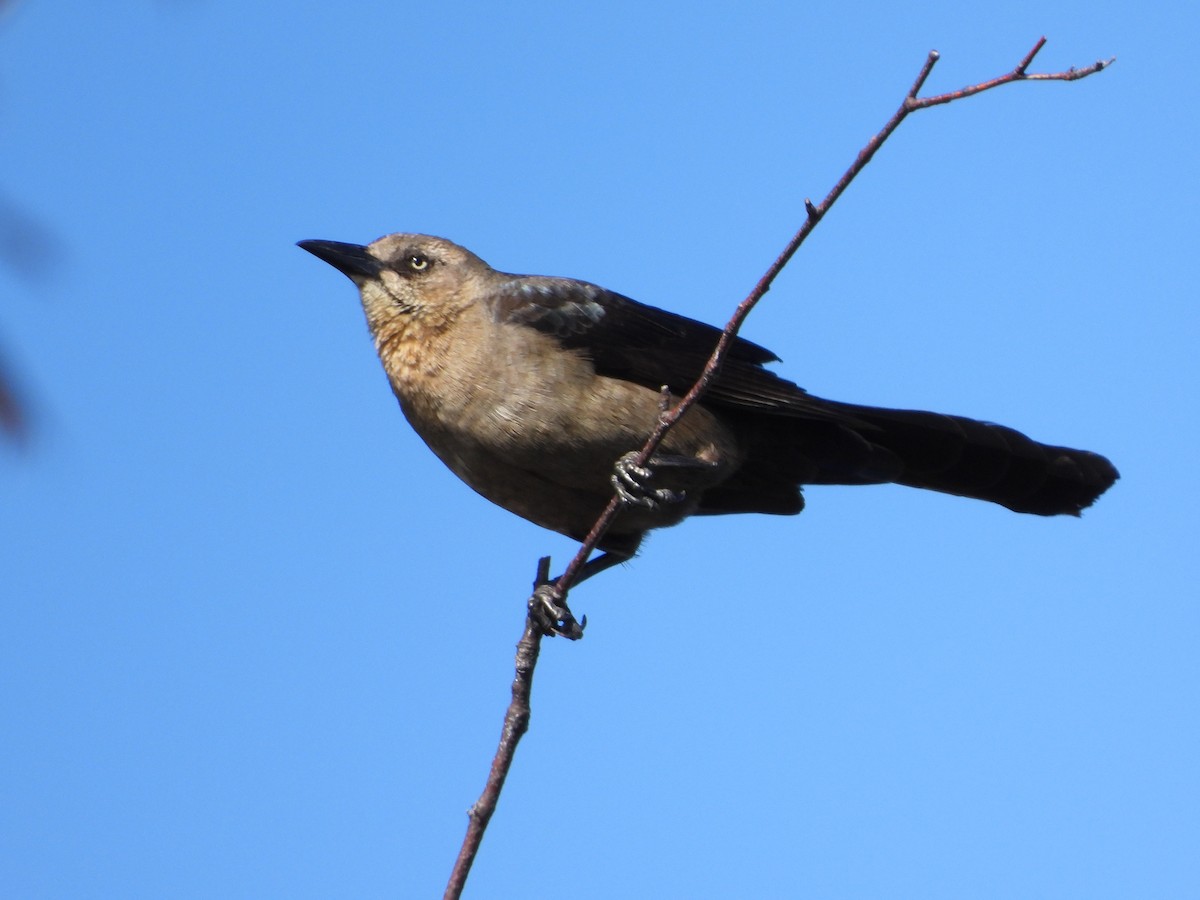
{"x":850,"y":444}
{"x":956,"y":455}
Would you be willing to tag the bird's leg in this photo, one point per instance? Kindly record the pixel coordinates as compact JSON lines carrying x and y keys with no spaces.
{"x":634,"y":487}
{"x":547,"y":606}
{"x":633,"y":483}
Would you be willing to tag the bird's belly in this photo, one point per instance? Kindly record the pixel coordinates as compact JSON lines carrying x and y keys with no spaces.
{"x":545,"y":450}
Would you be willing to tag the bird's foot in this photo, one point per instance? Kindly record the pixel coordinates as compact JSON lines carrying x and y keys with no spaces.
{"x":632,"y":484}
{"x":549,"y":612}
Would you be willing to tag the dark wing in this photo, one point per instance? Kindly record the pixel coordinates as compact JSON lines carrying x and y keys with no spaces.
{"x":648,"y":346}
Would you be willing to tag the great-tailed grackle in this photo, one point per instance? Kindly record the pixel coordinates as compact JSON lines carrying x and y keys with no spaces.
{"x":531,"y":389}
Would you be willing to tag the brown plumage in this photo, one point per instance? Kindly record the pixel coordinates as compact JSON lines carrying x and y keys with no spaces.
{"x":530,"y":389}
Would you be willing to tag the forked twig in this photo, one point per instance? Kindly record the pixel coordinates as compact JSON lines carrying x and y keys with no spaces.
{"x":814,"y":214}
{"x":516,"y":719}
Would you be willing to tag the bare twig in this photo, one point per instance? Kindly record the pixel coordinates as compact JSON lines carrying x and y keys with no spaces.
{"x":517,"y":718}
{"x":814,"y":214}
{"x":516,"y":722}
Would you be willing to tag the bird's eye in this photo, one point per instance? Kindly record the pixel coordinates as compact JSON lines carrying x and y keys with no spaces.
{"x":417,"y":262}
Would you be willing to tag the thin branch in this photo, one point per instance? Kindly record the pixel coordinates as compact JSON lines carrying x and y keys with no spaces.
{"x":1017,"y":74}
{"x":814,"y":215}
{"x":516,"y":720}
{"x":516,"y":723}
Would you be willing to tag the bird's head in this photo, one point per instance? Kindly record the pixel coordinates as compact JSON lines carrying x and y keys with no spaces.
{"x":407,"y":276}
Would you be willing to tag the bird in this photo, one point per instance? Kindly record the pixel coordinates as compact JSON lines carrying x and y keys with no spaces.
{"x":536,"y":390}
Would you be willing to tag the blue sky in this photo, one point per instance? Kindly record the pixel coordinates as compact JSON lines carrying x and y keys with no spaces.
{"x":256,"y":641}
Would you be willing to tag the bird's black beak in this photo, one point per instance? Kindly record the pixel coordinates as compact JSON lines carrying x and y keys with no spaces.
{"x":352,"y":260}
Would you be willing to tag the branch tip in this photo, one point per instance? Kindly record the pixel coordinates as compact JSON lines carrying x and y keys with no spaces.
{"x":930,"y":61}
{"x":543,"y":572}
{"x":1024,"y":64}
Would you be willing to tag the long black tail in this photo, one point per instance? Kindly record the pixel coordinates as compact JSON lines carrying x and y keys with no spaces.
{"x":848,"y":444}
{"x":962,"y":456}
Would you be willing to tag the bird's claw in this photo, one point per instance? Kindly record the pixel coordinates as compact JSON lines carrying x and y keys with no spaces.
{"x":549,"y":611}
{"x":632,"y":484}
